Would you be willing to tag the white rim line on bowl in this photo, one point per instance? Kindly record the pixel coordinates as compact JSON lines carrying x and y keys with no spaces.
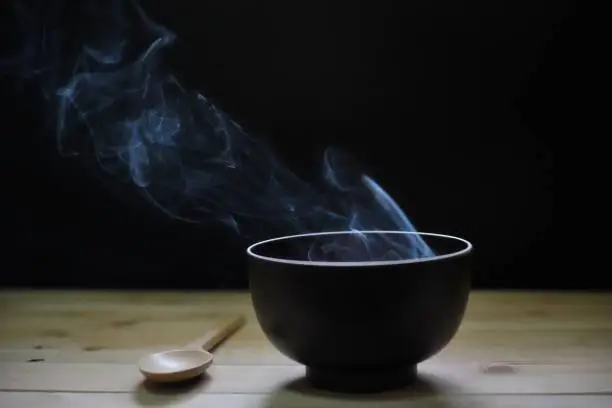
{"x":250,"y":250}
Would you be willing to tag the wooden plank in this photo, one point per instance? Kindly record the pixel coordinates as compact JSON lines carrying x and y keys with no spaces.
{"x":453,"y":378}
{"x":514,"y":325}
{"x":519,"y":343}
{"x":296,"y":399}
{"x":230,"y":354}
{"x":505,"y":302}
{"x":225,"y":355}
{"x":119,"y":327}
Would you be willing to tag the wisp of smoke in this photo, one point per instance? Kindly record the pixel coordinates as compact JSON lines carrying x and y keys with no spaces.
{"x":175,"y":146}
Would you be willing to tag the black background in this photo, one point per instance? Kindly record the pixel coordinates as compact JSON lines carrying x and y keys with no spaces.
{"x":454,"y":106}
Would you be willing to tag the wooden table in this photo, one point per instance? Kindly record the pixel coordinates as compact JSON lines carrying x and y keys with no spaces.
{"x":79,"y":349}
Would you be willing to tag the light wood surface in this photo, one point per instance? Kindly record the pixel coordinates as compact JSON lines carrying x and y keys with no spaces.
{"x":218,"y":334}
{"x":80,"y":349}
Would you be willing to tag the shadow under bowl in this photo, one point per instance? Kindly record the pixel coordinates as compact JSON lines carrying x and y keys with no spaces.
{"x":359,"y":326}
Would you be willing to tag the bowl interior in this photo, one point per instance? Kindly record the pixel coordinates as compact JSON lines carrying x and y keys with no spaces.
{"x":359,"y":247}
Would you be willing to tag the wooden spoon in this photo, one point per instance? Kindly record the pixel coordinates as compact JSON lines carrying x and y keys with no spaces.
{"x":191,"y":360}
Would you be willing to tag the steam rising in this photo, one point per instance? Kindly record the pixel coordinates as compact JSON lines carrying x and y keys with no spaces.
{"x":186,"y":155}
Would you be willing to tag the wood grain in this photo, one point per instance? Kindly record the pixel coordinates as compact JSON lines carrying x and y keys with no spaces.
{"x":79,"y":348}
{"x":293,"y":400}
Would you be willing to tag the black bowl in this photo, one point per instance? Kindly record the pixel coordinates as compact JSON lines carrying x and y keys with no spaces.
{"x":359,"y":326}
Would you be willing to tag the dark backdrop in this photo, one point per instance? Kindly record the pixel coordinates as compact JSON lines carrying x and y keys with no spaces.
{"x":453,"y":105}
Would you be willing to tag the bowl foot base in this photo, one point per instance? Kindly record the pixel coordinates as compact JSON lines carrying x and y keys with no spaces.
{"x":361,"y":381}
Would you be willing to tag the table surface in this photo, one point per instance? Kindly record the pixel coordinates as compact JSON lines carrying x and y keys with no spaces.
{"x":80,"y":349}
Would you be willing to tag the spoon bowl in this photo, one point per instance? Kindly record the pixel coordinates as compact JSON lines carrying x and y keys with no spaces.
{"x":189,"y":362}
{"x":175,"y":365}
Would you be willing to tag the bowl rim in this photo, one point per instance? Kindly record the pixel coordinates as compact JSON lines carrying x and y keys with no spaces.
{"x":251,"y":250}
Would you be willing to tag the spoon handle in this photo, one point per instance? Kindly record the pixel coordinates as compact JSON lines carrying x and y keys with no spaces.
{"x":215,"y":336}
